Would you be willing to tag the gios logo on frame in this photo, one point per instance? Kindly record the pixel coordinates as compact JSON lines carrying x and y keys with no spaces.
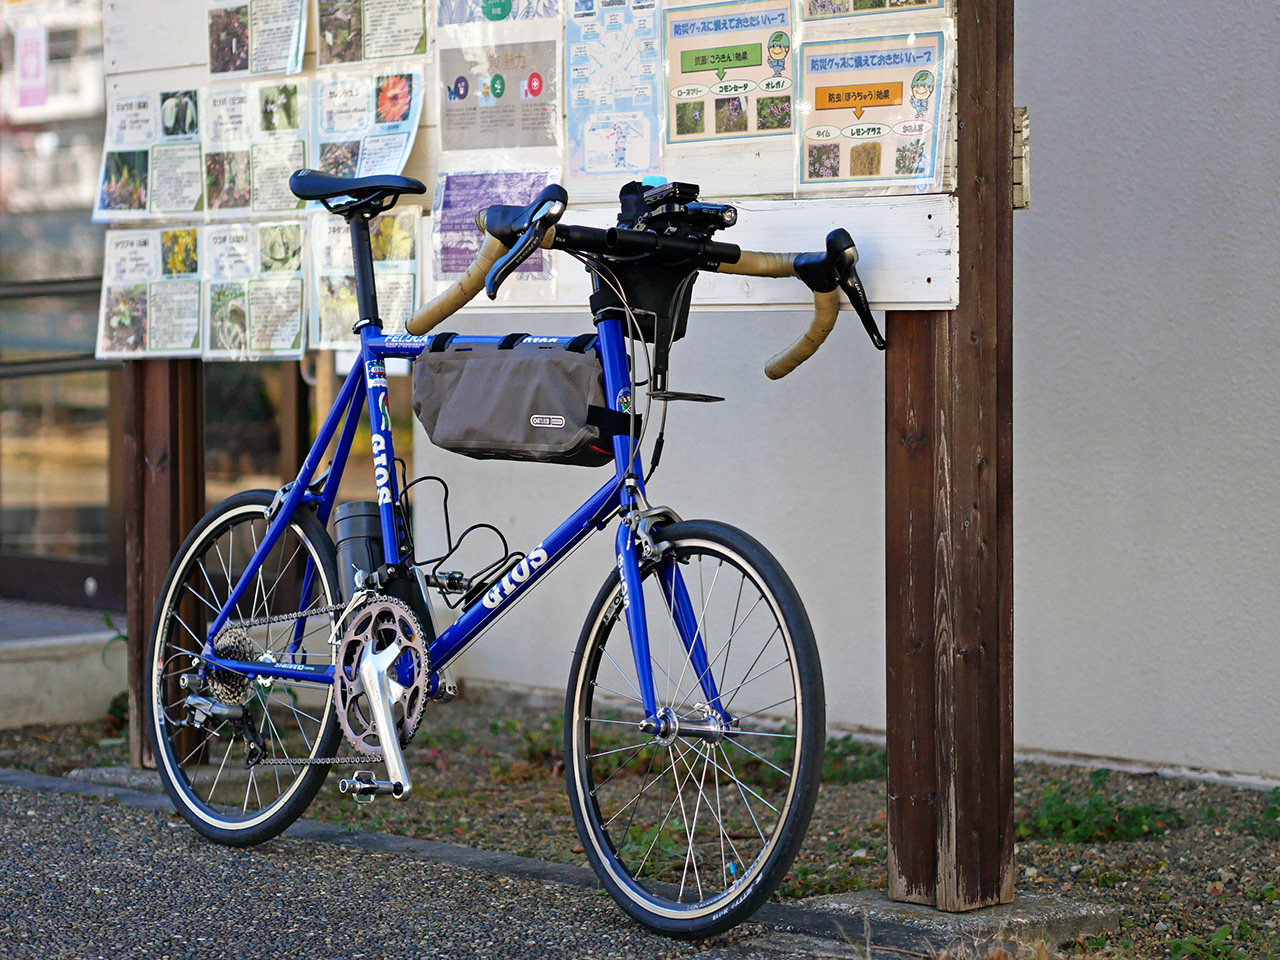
{"x":518,"y":574}
{"x":381,"y":469}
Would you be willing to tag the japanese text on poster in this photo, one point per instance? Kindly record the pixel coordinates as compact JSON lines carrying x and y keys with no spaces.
{"x":877,"y":111}
{"x":352,"y":31}
{"x":612,"y":52}
{"x":262,"y":36}
{"x":255,"y":136}
{"x":503,"y":95}
{"x":365,"y":124}
{"x":151,"y":157}
{"x":150,"y":294}
{"x":456,"y":240}
{"x":394,"y":240}
{"x":729,"y":71}
{"x":252,"y":295}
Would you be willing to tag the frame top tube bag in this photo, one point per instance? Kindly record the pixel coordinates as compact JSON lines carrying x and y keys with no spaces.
{"x":516,"y":400}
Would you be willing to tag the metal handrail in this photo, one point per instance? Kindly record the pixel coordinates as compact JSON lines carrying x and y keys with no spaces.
{"x":70,"y":287}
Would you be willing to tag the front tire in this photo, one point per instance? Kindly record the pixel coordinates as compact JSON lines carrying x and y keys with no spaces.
{"x":213,"y":772}
{"x":690,"y":837}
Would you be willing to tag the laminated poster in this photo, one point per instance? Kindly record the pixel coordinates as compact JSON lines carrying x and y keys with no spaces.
{"x":823,"y":9}
{"x":500,"y":96}
{"x":730,"y":72}
{"x":255,"y":136}
{"x":456,"y":12}
{"x":364,"y":124}
{"x":878,"y":111}
{"x":151,"y":157}
{"x":150,"y":294}
{"x":352,"y":31}
{"x":614,"y":65}
{"x":252,"y":295}
{"x":394,"y":239}
{"x":456,"y":241}
{"x":262,"y":36}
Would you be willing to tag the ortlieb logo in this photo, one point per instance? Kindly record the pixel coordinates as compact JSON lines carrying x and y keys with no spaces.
{"x":538,"y":420}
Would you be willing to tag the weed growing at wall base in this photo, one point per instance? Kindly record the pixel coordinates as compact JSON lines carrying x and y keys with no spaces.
{"x":1094,"y":817}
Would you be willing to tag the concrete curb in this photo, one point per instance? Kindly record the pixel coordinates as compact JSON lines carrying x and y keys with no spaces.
{"x":846,"y":922}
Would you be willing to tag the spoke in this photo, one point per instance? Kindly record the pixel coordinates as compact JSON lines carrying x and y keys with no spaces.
{"x":745,"y":802}
{"x":700,"y":631}
{"x":724,"y":834}
{"x":733,"y":628}
{"x":296,"y":711}
{"x":734,"y":690}
{"x":190,"y":589}
{"x":675,"y":776}
{"x":597,"y":683}
{"x":192,"y":633}
{"x":218,"y":776}
{"x":641,"y":746}
{"x":748,"y":716}
{"x":729,"y":773}
{"x":643,"y":789}
{"x":763,"y":647}
{"x":624,"y":677}
{"x":690,"y":830}
{"x":619,"y":768}
{"x":760,"y":733}
{"x":764,"y":760}
{"x":205,"y":573}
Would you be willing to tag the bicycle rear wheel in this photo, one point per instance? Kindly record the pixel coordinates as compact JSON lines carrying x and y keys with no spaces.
{"x":690,"y":836}
{"x":239,"y":775}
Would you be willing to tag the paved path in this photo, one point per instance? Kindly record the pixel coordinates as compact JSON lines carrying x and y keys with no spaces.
{"x":87,"y":872}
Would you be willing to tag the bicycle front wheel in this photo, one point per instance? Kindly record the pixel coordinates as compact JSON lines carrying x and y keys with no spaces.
{"x":237,"y":764}
{"x":691,"y":836}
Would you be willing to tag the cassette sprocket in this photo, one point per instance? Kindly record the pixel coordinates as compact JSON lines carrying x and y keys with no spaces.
{"x":381,"y":622}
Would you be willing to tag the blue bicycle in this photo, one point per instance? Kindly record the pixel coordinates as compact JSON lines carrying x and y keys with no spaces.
{"x":694,"y":715}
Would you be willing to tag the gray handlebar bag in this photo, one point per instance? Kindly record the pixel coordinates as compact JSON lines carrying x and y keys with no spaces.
{"x":514,"y":401}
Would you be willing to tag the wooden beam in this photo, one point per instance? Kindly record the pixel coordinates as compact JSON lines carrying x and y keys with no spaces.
{"x":164,"y":498}
{"x":295,"y":419}
{"x":950,"y":555}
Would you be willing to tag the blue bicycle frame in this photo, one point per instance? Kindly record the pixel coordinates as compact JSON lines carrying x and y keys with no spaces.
{"x":620,"y":494}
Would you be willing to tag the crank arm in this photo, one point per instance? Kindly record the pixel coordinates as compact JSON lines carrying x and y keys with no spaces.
{"x":377,"y":687}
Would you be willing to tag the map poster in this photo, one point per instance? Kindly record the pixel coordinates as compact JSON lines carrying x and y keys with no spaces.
{"x":877,"y":111}
{"x":364,"y":124}
{"x":451,"y":13}
{"x":456,"y":241}
{"x":393,"y":238}
{"x":150,"y":303}
{"x":252,"y":294}
{"x":151,"y":157}
{"x":613,"y":70}
{"x":500,"y":96}
{"x":729,"y":71}
{"x":352,"y":31}
{"x":257,"y":37}
{"x":824,"y":9}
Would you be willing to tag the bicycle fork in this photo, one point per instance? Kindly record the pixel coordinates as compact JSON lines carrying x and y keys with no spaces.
{"x":709,"y":720}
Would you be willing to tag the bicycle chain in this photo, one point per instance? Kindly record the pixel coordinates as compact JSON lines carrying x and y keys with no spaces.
{"x":314,"y":761}
{"x":282,"y":617}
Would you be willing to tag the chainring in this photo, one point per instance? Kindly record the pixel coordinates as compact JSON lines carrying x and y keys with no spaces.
{"x":382,"y":622}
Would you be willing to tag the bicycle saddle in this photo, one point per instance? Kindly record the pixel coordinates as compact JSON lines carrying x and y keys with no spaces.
{"x":314,"y":185}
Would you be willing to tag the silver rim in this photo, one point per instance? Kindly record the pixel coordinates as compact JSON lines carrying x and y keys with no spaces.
{"x":687,"y":827}
{"x":207,"y":767}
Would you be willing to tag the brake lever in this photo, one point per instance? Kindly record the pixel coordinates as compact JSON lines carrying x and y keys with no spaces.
{"x":543,"y":219}
{"x":844,"y":257}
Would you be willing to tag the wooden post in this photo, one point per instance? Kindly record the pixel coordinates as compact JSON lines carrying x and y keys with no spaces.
{"x":949,"y":522}
{"x":295,"y":419}
{"x":164,"y":498}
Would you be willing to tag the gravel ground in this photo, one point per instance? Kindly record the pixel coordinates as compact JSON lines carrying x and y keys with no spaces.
{"x":487,"y":775}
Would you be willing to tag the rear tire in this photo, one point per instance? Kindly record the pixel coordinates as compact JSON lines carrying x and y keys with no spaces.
{"x":692,"y":836}
{"x":205,"y":769}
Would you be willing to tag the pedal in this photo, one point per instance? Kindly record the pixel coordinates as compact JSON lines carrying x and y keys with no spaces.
{"x":365,"y":788}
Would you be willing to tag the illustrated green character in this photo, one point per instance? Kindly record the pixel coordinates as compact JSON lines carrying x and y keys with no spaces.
{"x":779,"y":47}
{"x":921,"y":91}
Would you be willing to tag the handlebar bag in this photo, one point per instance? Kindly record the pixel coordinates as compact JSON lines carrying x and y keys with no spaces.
{"x":517,"y":400}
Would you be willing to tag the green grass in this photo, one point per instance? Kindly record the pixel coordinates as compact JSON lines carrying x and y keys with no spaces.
{"x":1093,"y":816}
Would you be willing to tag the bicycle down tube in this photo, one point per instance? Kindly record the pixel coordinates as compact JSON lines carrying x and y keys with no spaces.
{"x":367,"y":380}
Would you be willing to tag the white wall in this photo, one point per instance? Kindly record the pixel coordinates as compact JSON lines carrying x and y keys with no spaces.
{"x":1146,"y":395}
{"x":1147,"y":415}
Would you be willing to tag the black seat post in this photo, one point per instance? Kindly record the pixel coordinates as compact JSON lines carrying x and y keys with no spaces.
{"x":362,"y":258}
